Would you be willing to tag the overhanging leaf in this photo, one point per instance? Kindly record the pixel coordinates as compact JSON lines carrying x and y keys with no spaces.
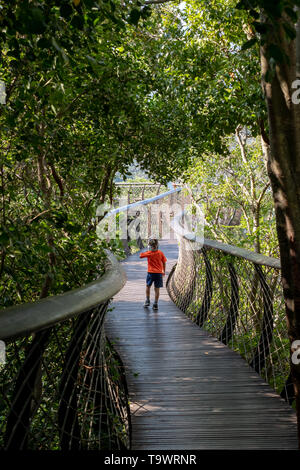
{"x":248,"y":44}
{"x":134,"y":16}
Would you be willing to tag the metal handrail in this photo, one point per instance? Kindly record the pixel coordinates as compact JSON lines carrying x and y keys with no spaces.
{"x":123,"y":183}
{"x":249,"y":255}
{"x":144,"y":202}
{"x":20,"y":320}
{"x":252,"y":256}
{"x":236,"y":295}
{"x":62,"y":369}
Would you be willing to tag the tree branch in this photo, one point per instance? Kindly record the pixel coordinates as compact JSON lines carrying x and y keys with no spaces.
{"x":263,"y":193}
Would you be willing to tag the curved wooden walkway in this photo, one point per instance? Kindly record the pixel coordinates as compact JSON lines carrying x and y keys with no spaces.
{"x":187,"y":390}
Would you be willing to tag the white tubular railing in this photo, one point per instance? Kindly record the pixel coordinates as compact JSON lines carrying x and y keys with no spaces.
{"x":133,"y":217}
{"x":144,"y":202}
{"x":27,"y":318}
{"x":57,"y":389}
{"x":63,"y":385}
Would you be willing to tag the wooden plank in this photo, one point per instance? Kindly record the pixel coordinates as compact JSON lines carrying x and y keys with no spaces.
{"x":187,"y":390}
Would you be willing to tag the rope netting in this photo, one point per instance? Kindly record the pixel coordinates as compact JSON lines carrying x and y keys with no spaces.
{"x":135,"y":222}
{"x":129,"y":193}
{"x":64,"y":388}
{"x":239,"y":300}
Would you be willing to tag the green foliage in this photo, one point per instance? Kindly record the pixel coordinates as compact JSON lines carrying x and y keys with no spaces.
{"x":93,"y":87}
{"x":235,"y":194}
{"x":208,"y":75}
{"x":271,"y":21}
{"x":78,"y":78}
{"x":101,"y":423}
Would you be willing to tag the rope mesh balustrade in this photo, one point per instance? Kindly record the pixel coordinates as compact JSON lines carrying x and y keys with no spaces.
{"x":134,"y":222}
{"x":236,"y":296}
{"x":134,"y":192}
{"x":63,"y":386}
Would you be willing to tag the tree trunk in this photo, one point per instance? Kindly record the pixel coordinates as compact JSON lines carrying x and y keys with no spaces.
{"x":256,"y":227}
{"x":46,"y":191}
{"x":284,"y":172}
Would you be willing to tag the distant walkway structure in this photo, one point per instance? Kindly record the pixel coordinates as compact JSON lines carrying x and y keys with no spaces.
{"x":209,"y":370}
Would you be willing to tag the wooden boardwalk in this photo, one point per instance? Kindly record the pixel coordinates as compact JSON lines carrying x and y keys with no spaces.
{"x":187,"y":390}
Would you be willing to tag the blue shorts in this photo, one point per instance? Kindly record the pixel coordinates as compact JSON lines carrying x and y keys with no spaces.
{"x":156,"y":278}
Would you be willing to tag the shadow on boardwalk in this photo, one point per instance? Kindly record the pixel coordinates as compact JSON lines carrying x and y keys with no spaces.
{"x":187,"y":390}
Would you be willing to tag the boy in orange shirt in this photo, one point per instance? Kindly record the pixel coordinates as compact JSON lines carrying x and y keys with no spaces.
{"x":156,"y":270}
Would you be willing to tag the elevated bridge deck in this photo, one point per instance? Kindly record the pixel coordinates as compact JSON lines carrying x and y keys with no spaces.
{"x":188,"y":390}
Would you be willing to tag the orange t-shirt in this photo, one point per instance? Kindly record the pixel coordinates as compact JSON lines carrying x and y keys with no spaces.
{"x":155,"y":261}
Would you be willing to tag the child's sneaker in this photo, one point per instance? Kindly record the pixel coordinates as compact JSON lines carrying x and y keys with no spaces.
{"x":155,"y":306}
{"x":147,"y":303}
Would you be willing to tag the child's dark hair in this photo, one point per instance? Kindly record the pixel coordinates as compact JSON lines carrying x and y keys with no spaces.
{"x":153,"y":243}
